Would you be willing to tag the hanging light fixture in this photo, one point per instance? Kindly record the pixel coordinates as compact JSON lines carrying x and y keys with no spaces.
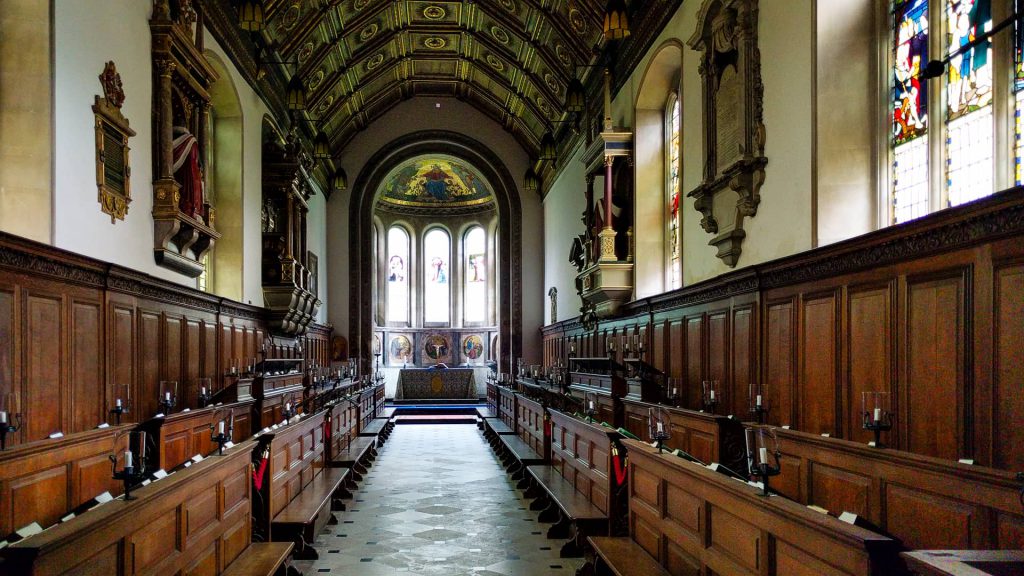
{"x":547,"y":147}
{"x":295,"y":94}
{"x":321,"y":146}
{"x":340,"y":180}
{"x":616,"y":23}
{"x":530,"y":181}
{"x":250,"y":15}
{"x":574,"y":96}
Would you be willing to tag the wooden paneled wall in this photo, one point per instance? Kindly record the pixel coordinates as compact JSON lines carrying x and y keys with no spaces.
{"x":928,"y":311}
{"x":74,"y":330}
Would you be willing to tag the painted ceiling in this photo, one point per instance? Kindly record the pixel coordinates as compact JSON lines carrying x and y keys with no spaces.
{"x":511,"y":59}
{"x":435,"y":182}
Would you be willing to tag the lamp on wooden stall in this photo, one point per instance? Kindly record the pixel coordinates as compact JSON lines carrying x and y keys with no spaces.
{"x":250,"y":15}
{"x":616,"y":22}
{"x":295,"y":94}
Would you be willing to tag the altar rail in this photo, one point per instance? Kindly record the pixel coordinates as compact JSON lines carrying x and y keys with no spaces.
{"x":73,"y":329}
{"x":695,"y":521}
{"x":927,"y":503}
{"x":45,"y":480}
{"x":196,"y":520}
{"x":928,"y":310}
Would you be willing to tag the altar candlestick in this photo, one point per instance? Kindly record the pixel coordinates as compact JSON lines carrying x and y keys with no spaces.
{"x":661,"y":428}
{"x":220,"y":427}
{"x":127,"y":459}
{"x":763,"y":453}
{"x":878,"y":414}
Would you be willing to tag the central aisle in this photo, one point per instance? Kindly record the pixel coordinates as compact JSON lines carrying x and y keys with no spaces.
{"x":437,"y":502}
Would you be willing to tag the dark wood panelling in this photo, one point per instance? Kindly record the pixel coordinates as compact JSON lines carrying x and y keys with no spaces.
{"x":1008,"y":398}
{"x":121,"y":365}
{"x":779,"y":354}
{"x":933,"y":385}
{"x":87,"y":389}
{"x":718,"y":360}
{"x":693,"y":360}
{"x":44,"y":331}
{"x":742,"y":359}
{"x":869,"y":352}
{"x":818,"y":386}
{"x":149,"y":365}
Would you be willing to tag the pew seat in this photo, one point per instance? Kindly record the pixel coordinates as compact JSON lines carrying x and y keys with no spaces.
{"x":516,"y":455}
{"x":310,"y":511}
{"x":487,"y":412}
{"x":574,"y":516}
{"x":377,"y":428}
{"x":622,"y":556}
{"x":493,"y":428}
{"x":357,"y":456}
{"x":260,"y":558}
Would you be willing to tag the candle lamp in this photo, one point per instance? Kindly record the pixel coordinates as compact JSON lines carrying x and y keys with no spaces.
{"x":591,"y":405}
{"x":168,"y":396}
{"x":223,"y":434}
{"x":658,"y":427}
{"x":133,"y":463}
{"x":205,"y":393}
{"x":627,"y":344}
{"x":712,"y":395}
{"x":289,"y":409}
{"x":233,"y":369}
{"x":10,"y":418}
{"x":572,"y":349}
{"x":762,"y":449}
{"x":672,"y":390}
{"x":757,"y":402}
{"x":877,"y":414}
{"x":122,"y":402}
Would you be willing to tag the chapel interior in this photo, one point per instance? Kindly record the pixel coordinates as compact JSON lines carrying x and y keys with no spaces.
{"x":512,"y":287}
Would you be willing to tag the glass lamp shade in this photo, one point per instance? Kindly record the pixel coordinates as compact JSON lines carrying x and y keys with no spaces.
{"x":340,"y":180}
{"x":168,"y":390}
{"x":616,"y":23}
{"x":711,"y":391}
{"x":876,"y":408}
{"x":295,"y":95}
{"x":574,"y":96}
{"x":321,"y":146}
{"x":762,"y":448}
{"x":250,"y":15}
{"x":530,"y":181}
{"x":658,"y":424}
{"x":547,"y":147}
{"x":756,"y":398}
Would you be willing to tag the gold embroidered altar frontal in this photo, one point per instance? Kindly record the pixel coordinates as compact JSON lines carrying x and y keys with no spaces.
{"x":451,"y":383}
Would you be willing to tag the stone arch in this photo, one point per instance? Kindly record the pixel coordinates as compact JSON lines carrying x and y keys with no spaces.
{"x":225,"y":178}
{"x":661,"y":78}
{"x":509,"y":208}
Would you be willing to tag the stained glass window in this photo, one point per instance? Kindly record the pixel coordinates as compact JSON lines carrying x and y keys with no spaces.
{"x":968,"y":96}
{"x":1018,"y":87}
{"x":672,"y":143}
{"x":398,"y":275}
{"x":909,"y":110}
{"x":436,"y":294}
{"x":475,"y":275}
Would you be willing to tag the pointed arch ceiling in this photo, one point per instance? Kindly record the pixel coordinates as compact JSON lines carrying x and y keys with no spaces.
{"x":511,"y":59}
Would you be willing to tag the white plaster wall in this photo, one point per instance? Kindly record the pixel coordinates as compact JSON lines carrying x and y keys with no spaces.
{"x":316,"y":241}
{"x":86,"y":36}
{"x":423,"y":114}
{"x":783,"y":222}
{"x":563,"y":206}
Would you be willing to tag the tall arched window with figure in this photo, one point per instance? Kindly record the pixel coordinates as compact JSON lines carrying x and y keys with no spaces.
{"x":909,"y":110}
{"x":474,"y":249}
{"x":436,"y":283}
{"x":672,"y":168}
{"x":398,"y":275}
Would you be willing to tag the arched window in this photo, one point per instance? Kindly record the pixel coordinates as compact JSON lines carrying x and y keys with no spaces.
{"x":474,"y":248}
{"x":398,"y":275}
{"x":965,"y":91}
{"x":1018,"y":97}
{"x":436,"y":291}
{"x":672,"y":166}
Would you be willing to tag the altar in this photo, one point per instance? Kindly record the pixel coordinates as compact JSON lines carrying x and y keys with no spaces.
{"x":431,"y":383}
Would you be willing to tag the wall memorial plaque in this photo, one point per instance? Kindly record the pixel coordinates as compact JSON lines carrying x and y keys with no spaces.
{"x":732,"y":111}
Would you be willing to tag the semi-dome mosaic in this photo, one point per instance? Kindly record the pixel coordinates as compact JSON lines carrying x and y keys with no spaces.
{"x":435,"y":182}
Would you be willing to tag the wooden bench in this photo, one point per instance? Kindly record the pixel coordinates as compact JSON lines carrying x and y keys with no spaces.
{"x":377,"y":429}
{"x":195,"y":521}
{"x":573,"y":514}
{"x":493,"y":429}
{"x":298,"y":491}
{"x":310,"y":511}
{"x":696,"y":521}
{"x":357,"y":456}
{"x":260,"y":558}
{"x":516,"y":455}
{"x":621,"y":556}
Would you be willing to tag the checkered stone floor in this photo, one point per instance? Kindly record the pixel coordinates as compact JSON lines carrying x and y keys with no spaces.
{"x":437,"y":502}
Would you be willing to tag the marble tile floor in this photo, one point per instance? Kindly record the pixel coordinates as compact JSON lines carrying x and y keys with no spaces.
{"x":437,"y":502}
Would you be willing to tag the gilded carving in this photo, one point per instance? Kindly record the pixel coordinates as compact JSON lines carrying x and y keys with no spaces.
{"x":734,"y":134}
{"x":113,"y":169}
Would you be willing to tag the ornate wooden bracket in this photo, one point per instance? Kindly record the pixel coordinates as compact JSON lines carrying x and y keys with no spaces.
{"x":732,"y":111}
{"x":113,"y":170}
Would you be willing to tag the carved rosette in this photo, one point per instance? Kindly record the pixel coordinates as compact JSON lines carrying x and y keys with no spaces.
{"x":732,"y":111}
